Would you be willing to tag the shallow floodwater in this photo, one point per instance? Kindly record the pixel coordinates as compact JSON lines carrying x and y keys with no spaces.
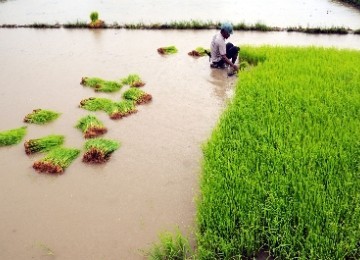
{"x":115,"y":210}
{"x":282,"y":13}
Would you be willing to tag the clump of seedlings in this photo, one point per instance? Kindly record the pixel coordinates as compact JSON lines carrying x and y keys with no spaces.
{"x":96,"y":104}
{"x":95,"y":21}
{"x":43,"y":144}
{"x":101,"y":85}
{"x":137,"y":95}
{"x":133,"y":80}
{"x":99,"y":150}
{"x":199,"y":52}
{"x":91,"y":126}
{"x":122,"y":109}
{"x":167,"y":50}
{"x":12,"y":136}
{"x":57,"y":160}
{"x":41,"y":116}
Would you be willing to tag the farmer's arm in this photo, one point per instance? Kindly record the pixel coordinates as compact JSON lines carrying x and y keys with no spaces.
{"x":229,"y":62}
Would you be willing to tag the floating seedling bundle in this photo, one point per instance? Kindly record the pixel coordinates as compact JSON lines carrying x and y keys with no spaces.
{"x":167,"y":50}
{"x":43,"y":144}
{"x":99,"y":150}
{"x":199,"y":52}
{"x":41,"y":116}
{"x":91,"y":126}
{"x":13,"y":136}
{"x":133,"y":80}
{"x":96,"y":104}
{"x":57,"y":160}
{"x":137,"y":95}
{"x":101,"y":85}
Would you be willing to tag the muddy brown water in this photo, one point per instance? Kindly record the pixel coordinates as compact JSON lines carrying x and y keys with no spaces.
{"x":115,"y":210}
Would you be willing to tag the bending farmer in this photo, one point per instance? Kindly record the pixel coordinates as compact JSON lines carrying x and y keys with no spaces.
{"x":222,"y":53}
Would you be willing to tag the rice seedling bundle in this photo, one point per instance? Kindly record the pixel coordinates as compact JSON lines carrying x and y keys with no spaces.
{"x":100,"y":85}
{"x":137,"y":95}
{"x":41,"y":116}
{"x":57,"y":160}
{"x":199,"y":52}
{"x":43,"y":144}
{"x":121,"y":109}
{"x":91,"y":126}
{"x":99,"y":150}
{"x":96,"y":104}
{"x":282,"y":166}
{"x":167,"y":50}
{"x":12,"y":136}
{"x":133,"y":80}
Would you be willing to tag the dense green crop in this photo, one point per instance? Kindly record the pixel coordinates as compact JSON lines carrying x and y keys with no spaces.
{"x":41,"y":116}
{"x":12,"y":136}
{"x":282,"y":167}
{"x":43,"y":144}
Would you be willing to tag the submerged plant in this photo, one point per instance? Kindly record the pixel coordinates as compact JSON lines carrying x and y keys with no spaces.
{"x":57,"y":160}
{"x":99,"y":150}
{"x":137,"y":95}
{"x":12,"y":136}
{"x":133,"y":80}
{"x":199,"y":52}
{"x":43,"y":144}
{"x":41,"y":116}
{"x":167,"y":50}
{"x":91,"y":126}
{"x":101,"y":85}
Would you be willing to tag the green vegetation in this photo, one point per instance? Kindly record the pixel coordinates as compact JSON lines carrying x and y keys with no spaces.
{"x":99,"y":150}
{"x":167,"y":50}
{"x":331,"y":30}
{"x":41,"y":116}
{"x":133,"y":80}
{"x":282,"y":166}
{"x":57,"y":160}
{"x":199,"y":52}
{"x":171,"y":246}
{"x":43,"y":144}
{"x":101,"y":85}
{"x":91,"y":126}
{"x":77,"y":24}
{"x":137,"y":95}
{"x":12,"y":136}
{"x":94,"y":16}
{"x":95,"y":21}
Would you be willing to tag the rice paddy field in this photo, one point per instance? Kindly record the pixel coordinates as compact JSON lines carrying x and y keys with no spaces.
{"x":281,"y":171}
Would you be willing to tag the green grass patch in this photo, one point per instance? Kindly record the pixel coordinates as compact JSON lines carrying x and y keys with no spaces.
{"x":43,"y":144}
{"x":99,"y":150}
{"x":12,"y":136}
{"x":167,"y":50}
{"x":319,"y":30}
{"x":41,"y":116}
{"x":100,"y":85}
{"x":91,"y":126}
{"x":137,"y":95}
{"x":282,"y":166}
{"x":57,"y":160}
{"x":133,"y":80}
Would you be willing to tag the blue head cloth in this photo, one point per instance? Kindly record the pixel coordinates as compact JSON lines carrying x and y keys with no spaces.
{"x":227,"y":27}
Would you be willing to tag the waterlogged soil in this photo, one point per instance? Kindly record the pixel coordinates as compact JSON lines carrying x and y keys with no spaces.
{"x":281,"y":13}
{"x":149,"y":185}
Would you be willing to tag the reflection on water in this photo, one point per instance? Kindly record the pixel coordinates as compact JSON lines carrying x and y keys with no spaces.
{"x":282,"y":13}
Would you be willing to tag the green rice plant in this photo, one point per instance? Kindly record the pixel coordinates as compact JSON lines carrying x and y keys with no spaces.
{"x":77,"y":24}
{"x":43,"y":144}
{"x":137,"y":95}
{"x":121,"y":109}
{"x":99,"y":150}
{"x":282,"y":166}
{"x":96,"y":104}
{"x":171,"y":246}
{"x":12,"y":136}
{"x":101,"y":85}
{"x":133,"y":80}
{"x":94,"y":16}
{"x":57,"y":160}
{"x":199,"y":52}
{"x":91,"y":126}
{"x":167,"y":50}
{"x":41,"y":116}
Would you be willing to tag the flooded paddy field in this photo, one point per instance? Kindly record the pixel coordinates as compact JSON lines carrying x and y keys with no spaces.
{"x":149,"y":185}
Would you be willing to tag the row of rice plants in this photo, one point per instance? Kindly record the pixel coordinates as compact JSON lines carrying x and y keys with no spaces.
{"x":281,"y":170}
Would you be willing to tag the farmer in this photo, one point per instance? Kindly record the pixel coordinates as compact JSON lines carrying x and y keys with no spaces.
{"x":223,"y":54}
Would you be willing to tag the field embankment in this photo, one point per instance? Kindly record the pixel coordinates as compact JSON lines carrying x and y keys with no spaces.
{"x":282,"y":168}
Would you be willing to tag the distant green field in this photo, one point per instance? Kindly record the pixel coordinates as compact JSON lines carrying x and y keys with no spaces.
{"x":282,"y":167}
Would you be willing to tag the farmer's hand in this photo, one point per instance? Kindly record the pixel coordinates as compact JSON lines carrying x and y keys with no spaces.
{"x":236,"y":68}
